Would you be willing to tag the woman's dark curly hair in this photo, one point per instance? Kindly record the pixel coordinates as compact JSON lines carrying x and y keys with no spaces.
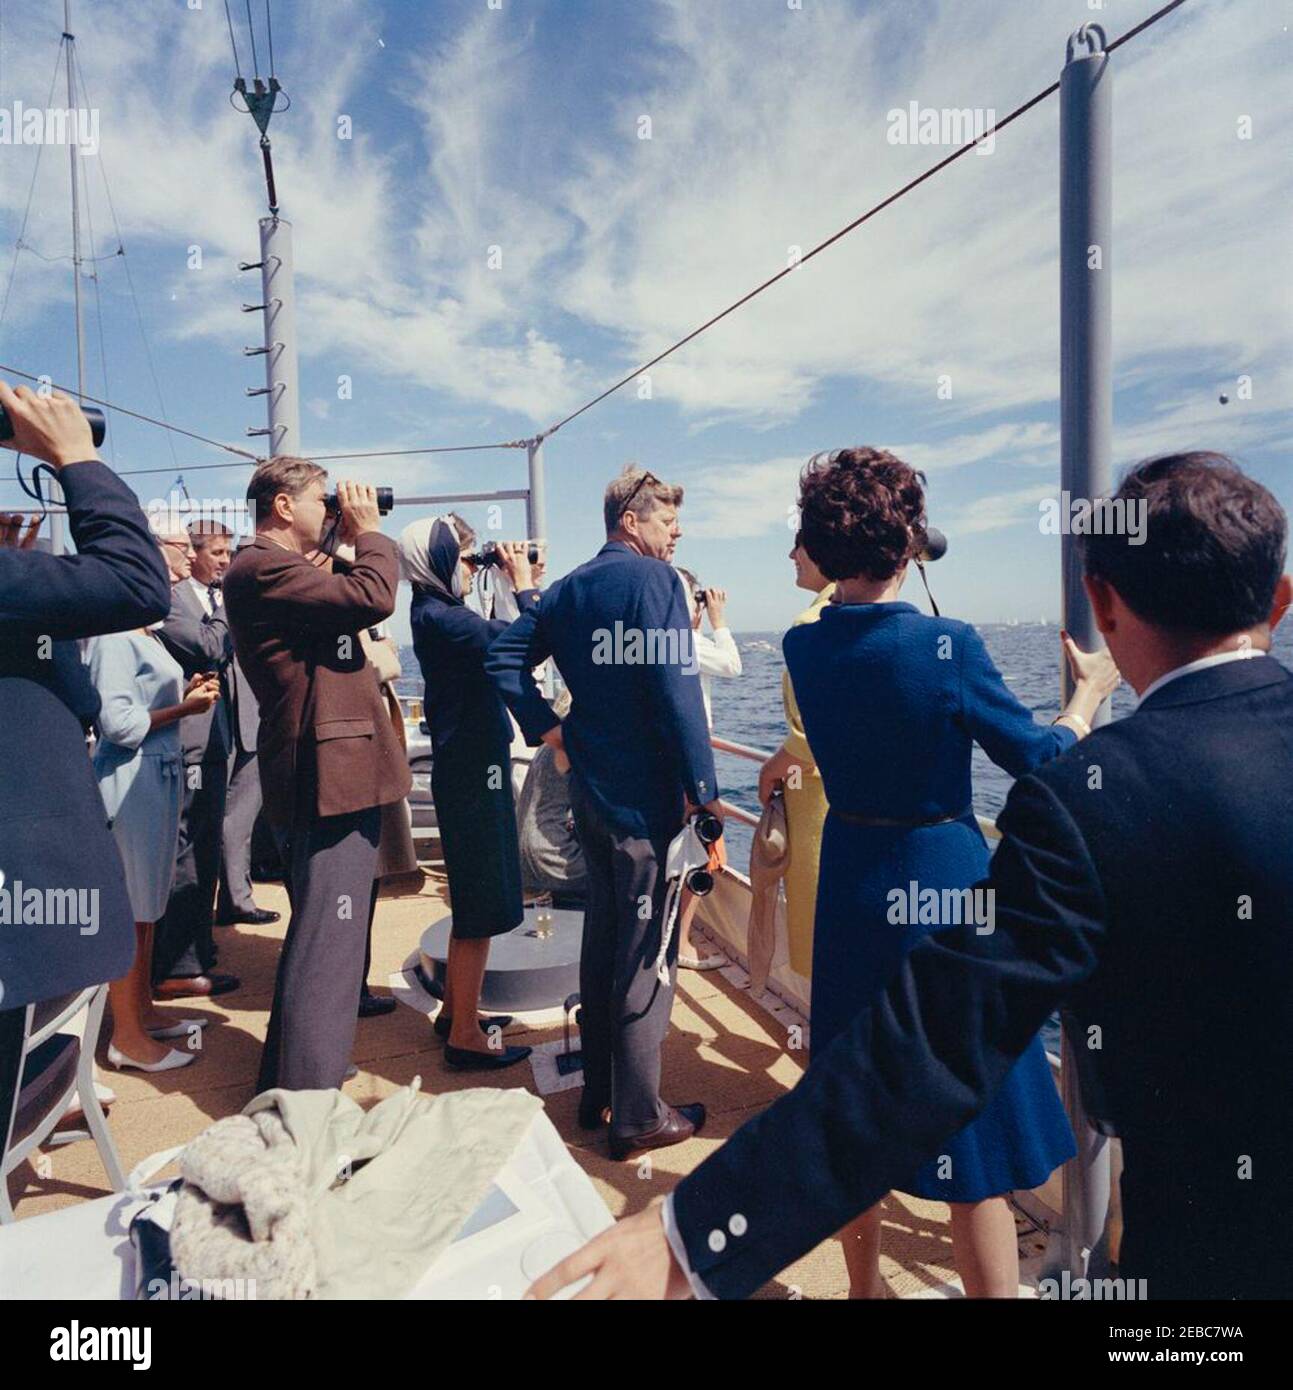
{"x":862,"y":512}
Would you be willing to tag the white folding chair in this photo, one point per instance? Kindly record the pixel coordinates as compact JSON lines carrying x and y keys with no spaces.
{"x":53,"y":1069}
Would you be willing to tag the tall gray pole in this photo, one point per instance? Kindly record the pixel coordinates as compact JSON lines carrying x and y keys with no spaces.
{"x":56,"y":532}
{"x":1086,"y":434}
{"x":536,"y":506}
{"x":72,"y":153}
{"x":281,"y":380}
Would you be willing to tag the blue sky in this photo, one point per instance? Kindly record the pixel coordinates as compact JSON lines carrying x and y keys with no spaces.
{"x":518,"y":127}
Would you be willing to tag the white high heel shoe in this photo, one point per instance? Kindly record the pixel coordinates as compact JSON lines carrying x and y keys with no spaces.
{"x":173,"y":1060}
{"x":181,"y":1028}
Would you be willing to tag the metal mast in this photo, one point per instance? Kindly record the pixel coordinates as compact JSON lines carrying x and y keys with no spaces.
{"x":1086,"y":471}
{"x":277,"y":279}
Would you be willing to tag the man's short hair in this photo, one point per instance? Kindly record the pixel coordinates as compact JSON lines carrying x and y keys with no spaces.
{"x":203,"y":531}
{"x":1214,"y":548}
{"x":281,"y":474}
{"x":638,"y":491}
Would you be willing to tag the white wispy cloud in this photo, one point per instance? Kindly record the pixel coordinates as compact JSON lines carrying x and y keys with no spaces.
{"x":768,"y":133}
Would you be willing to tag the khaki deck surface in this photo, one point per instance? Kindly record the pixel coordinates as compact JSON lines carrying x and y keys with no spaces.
{"x":723,"y":1049}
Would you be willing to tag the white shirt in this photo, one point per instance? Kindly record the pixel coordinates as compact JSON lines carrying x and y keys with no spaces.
{"x":716,"y":655}
{"x":1203,"y":663}
{"x":204,"y":595}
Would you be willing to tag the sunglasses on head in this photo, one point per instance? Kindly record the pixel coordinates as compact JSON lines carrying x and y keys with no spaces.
{"x":637,"y":487}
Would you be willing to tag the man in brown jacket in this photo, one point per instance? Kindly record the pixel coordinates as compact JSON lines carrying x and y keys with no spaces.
{"x":329,"y":757}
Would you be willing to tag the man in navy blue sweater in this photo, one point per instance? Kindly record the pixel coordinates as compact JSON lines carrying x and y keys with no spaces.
{"x":638,"y":743}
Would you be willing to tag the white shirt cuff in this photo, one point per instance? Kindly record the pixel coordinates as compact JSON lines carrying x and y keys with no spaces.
{"x":674,"y":1237}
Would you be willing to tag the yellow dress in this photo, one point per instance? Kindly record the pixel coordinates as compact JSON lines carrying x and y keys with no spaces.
{"x":805,"y":817}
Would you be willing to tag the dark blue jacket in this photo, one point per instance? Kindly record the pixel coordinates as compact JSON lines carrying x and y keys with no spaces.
{"x":1146,"y":876}
{"x":636,"y":734}
{"x":450,"y":641}
{"x":53,"y":831}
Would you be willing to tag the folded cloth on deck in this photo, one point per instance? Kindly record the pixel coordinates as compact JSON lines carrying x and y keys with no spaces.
{"x":310,"y":1196}
{"x":769,"y":860}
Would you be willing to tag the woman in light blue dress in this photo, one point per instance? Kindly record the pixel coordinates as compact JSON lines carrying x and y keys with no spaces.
{"x":138,"y":763}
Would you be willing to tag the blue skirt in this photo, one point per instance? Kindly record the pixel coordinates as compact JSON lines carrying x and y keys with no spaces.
{"x":1023,"y":1135}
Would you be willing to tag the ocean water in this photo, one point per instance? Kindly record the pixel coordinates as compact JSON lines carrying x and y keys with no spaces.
{"x":748,"y":709}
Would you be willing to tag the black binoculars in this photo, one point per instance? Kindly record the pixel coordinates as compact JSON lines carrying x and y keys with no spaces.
{"x":92,"y":413}
{"x":489,"y":554}
{"x":385,"y":501}
{"x":708,"y":830}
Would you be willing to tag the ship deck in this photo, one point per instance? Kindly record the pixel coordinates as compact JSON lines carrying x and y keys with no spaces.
{"x":723,"y":1049}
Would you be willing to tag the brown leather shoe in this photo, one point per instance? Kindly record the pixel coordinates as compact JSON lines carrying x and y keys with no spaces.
{"x":194,"y":986}
{"x":678,"y":1125}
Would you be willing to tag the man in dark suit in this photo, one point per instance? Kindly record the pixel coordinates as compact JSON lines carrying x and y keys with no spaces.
{"x":196,"y":633}
{"x":53,"y":830}
{"x":234,"y":902}
{"x":638,"y":742}
{"x":1145,"y":877}
{"x":329,"y":758}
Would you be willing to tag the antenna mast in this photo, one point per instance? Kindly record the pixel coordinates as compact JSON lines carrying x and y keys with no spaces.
{"x":278,"y":296}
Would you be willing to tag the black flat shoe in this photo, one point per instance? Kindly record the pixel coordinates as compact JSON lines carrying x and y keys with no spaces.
{"x":374,"y":1005}
{"x":462,"y":1059}
{"x":257,"y":917}
{"x":443,"y":1025}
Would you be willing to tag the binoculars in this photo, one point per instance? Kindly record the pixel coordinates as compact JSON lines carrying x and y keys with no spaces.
{"x":385,"y":501}
{"x":708,"y":829}
{"x":92,"y":413}
{"x":935,"y":545}
{"x":488,"y":554}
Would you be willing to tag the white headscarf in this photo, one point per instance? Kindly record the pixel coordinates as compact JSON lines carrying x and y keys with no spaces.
{"x":415,"y":555}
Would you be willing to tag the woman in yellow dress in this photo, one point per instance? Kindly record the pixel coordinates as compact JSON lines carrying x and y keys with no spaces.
{"x":792,"y":767}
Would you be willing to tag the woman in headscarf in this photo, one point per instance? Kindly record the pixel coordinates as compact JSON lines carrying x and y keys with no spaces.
{"x":471,"y":782}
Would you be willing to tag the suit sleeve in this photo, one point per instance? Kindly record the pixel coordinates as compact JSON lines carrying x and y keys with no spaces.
{"x":116,"y":581}
{"x":994,"y":717}
{"x":510,"y":663}
{"x":912,"y":1069}
{"x":198,"y":644}
{"x":341,"y":603}
{"x":675,"y":688}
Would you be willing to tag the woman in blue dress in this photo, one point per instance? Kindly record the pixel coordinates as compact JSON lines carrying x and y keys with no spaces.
{"x":471,"y":769}
{"x":143,"y":697}
{"x":892,"y":703}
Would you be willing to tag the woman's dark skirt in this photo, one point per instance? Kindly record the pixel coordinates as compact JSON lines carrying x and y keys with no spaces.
{"x":471,"y":783}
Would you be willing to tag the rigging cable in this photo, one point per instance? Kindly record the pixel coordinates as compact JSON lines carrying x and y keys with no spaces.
{"x":852,"y":226}
{"x":130,"y":279}
{"x":18,"y":245}
{"x":269,"y":25}
{"x":251,"y":29}
{"x":233,"y":41}
{"x":138,"y":415}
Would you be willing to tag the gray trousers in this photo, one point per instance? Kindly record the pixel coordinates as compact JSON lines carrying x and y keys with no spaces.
{"x":328,"y":867}
{"x":182,"y":943}
{"x":624,"y":1006}
{"x":242,"y":806}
